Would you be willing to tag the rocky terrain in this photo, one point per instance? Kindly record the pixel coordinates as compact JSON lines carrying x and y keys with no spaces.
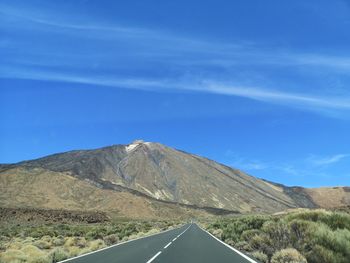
{"x":49,"y":216}
{"x":146,"y":179}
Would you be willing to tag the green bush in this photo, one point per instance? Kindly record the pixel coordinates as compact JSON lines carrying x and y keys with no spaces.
{"x":279,"y":233}
{"x":300,"y":231}
{"x":247,"y":235}
{"x":262,"y":243}
{"x":13,"y":255}
{"x":58,"y":255}
{"x":289,"y":255}
{"x":260,"y":256}
{"x":321,"y":254}
{"x":218,"y":233}
{"x":96,"y":244}
{"x":35,"y":255}
{"x":243,"y":246}
{"x":94,"y":234}
{"x":320,"y":236}
{"x":330,"y":244}
{"x":111,"y":239}
{"x":42,"y":244}
{"x":58,"y":241}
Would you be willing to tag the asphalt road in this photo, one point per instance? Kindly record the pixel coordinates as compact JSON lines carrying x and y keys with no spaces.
{"x":188,"y":243}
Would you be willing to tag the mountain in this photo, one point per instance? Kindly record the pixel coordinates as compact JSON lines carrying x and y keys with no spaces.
{"x":152,"y":176}
{"x":43,"y":189}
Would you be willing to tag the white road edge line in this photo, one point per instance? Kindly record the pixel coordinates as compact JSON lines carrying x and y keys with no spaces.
{"x":168,"y":244}
{"x":156,"y":255}
{"x":69,"y":259}
{"x":232,"y":248}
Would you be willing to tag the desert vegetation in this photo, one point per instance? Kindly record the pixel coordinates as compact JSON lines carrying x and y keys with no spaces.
{"x":55,"y":242}
{"x":313,"y":236}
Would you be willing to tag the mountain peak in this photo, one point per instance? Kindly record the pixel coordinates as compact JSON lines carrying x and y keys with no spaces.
{"x":163,"y":173}
{"x":135,"y":144}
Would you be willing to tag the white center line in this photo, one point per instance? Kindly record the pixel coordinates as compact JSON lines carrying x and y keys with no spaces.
{"x":168,"y":244}
{"x":156,"y":255}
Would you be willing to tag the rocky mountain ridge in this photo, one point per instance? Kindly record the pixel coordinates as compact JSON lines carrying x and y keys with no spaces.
{"x":158,"y":173}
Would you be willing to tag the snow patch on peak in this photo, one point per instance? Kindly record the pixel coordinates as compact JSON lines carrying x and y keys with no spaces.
{"x":131,"y":147}
{"x":134,"y":144}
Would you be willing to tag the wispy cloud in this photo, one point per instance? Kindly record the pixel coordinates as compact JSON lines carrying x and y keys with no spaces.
{"x":237,"y":161}
{"x":91,"y":52}
{"x":301,"y":101}
{"x":313,"y":168}
{"x":328,"y":61}
{"x":291,"y":99}
{"x":328,"y":160}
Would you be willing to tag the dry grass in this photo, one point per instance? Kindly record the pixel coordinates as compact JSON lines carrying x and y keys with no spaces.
{"x":55,"y":190}
{"x":35,"y":255}
{"x":330,"y":197}
{"x":47,"y":244}
{"x":13,"y":256}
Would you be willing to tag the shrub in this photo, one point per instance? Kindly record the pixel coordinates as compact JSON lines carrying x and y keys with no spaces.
{"x":337,"y":241}
{"x":35,"y":255}
{"x":28,"y":240}
{"x":242,"y":245}
{"x":152,"y":231}
{"x":334,"y":220}
{"x":73,"y":251}
{"x":58,"y":241}
{"x":249,"y":234}
{"x":342,"y":242}
{"x":234,"y":229}
{"x":300,"y":231}
{"x":260,"y":256}
{"x":94,"y":234}
{"x":288,"y":255}
{"x":330,"y":246}
{"x":58,"y":255}
{"x":320,"y":254}
{"x":337,"y":221}
{"x":42,"y":244}
{"x":96,"y":244}
{"x":75,"y":242}
{"x":262,"y":243}
{"x":232,"y":243}
{"x":111,"y":239}
{"x":13,"y":256}
{"x":80,"y":242}
{"x":278,"y":232}
{"x":16,"y":245}
{"x":218,"y":233}
{"x":46,"y":238}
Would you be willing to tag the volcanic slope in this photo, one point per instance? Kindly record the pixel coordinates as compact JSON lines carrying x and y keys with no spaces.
{"x":146,"y":169}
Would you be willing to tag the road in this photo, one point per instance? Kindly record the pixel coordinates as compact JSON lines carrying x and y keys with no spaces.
{"x":188,"y":243}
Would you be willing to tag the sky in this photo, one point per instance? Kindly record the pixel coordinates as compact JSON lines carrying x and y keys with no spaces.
{"x":262,"y":86}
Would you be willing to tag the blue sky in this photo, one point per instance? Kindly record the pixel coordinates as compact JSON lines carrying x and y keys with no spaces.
{"x":259,"y":85}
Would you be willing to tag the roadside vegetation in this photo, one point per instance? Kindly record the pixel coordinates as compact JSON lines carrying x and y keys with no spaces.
{"x":313,"y":236}
{"x":55,"y":242}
